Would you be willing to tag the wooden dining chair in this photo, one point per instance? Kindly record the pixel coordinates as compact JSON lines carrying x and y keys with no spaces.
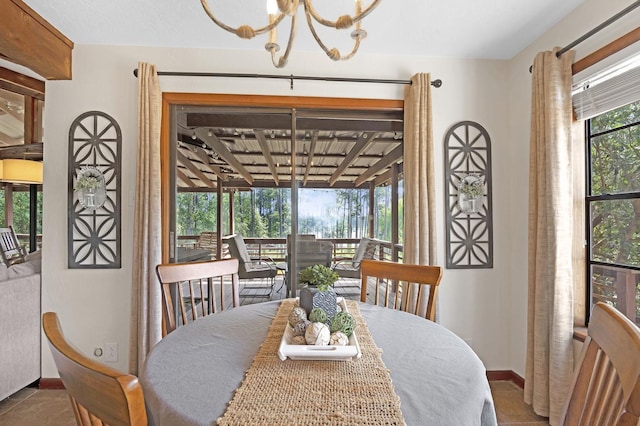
{"x":387,"y":278}
{"x":198,"y":279}
{"x":100,"y":395}
{"x":606,"y":384}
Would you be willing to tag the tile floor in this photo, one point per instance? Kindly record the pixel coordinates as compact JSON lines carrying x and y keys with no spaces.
{"x":33,"y":407}
{"x":510,"y":407}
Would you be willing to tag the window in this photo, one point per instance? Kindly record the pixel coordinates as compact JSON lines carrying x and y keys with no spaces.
{"x":21,"y":135}
{"x":613,"y":209}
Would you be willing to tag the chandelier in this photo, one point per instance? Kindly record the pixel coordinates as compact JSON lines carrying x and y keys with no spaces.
{"x":278,"y":10}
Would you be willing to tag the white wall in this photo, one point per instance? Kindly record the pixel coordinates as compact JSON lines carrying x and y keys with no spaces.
{"x":589,"y":15}
{"x":94,"y":305}
{"x":486,"y":306}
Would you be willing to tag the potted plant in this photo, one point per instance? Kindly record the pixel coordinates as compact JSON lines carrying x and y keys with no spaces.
{"x":90,"y":188}
{"x":470,"y":194}
{"x":317,"y":289}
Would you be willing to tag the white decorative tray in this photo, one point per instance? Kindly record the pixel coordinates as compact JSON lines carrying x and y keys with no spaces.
{"x":319,"y":353}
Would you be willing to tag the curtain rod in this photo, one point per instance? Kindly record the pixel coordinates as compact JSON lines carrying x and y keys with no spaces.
{"x":435,"y":83}
{"x":600,"y":27}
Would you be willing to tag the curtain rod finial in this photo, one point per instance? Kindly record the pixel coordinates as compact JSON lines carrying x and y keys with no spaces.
{"x":436,"y":83}
{"x":135,"y":72}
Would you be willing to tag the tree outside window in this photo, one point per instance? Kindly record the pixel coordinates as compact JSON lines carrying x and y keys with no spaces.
{"x":613,"y":209}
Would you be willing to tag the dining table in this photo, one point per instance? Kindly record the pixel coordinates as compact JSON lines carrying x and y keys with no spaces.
{"x":190,"y":376}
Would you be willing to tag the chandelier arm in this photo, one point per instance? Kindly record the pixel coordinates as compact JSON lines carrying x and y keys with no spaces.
{"x":334,"y":24}
{"x":317,"y":38}
{"x":356,"y":46}
{"x":256,"y":31}
{"x":282,"y":61}
{"x":333,"y":53}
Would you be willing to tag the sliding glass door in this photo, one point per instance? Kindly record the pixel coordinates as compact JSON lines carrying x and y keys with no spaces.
{"x":251,"y":180}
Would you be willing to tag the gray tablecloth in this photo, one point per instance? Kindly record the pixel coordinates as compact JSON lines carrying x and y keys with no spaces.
{"x":190,"y":375}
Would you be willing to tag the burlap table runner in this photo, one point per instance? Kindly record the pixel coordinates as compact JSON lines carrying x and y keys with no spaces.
{"x":295,"y":392}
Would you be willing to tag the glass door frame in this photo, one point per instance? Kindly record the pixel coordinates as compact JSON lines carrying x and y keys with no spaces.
{"x":171,"y":100}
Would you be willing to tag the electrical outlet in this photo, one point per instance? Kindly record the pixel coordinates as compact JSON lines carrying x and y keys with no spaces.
{"x":98,"y":351}
{"x":110,"y":352}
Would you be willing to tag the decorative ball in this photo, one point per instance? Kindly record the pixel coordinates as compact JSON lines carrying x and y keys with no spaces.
{"x":318,"y":315}
{"x":338,"y":339}
{"x":301,"y":327}
{"x":297,"y":314}
{"x":298,"y":340}
{"x":317,"y":334}
{"x":344,"y":322}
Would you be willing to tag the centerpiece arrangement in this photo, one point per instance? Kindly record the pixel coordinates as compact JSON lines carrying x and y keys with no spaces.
{"x":320,"y":319}
{"x":317,"y":289}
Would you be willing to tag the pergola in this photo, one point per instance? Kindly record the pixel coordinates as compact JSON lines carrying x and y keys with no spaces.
{"x":233,"y":149}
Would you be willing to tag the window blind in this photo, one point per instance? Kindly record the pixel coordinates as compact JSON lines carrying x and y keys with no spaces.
{"x":608,"y":90}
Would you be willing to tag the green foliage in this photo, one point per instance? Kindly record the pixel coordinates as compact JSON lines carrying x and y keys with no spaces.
{"x":21,"y":204}
{"x":266,"y":213}
{"x":471,"y":188}
{"x":615,"y":224}
{"x":318,"y":276}
{"x":87,"y":182}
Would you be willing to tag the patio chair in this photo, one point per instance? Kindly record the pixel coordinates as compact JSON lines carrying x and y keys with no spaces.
{"x":252,"y":268}
{"x":349,"y":267}
{"x":10,"y":248}
{"x":99,"y":394}
{"x":388,"y":274}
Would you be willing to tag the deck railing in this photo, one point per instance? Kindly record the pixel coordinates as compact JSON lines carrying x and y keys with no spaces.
{"x":619,"y":288}
{"x":276,"y":248}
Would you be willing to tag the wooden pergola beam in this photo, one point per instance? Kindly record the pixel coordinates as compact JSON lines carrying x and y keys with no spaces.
{"x":214,"y":143}
{"x":184,"y":178}
{"x":202,"y":155}
{"x":363,"y":140}
{"x":28,"y":39}
{"x":387,"y":160}
{"x":266,"y":153}
{"x":312,"y":152}
{"x":193,"y":169}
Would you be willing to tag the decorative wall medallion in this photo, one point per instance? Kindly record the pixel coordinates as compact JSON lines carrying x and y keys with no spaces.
{"x":95,"y":145}
{"x":469,"y":198}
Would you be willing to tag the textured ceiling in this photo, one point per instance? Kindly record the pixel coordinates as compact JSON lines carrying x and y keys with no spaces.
{"x":492,"y":29}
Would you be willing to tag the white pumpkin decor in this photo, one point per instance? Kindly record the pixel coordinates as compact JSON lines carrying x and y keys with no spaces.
{"x":338,"y":339}
{"x":317,"y":334}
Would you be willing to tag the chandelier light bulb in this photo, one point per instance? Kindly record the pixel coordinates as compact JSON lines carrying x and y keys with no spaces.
{"x":272,"y":7}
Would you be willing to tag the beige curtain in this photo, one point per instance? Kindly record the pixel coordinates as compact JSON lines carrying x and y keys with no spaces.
{"x":552,"y":197}
{"x":146,"y":323}
{"x":419,"y":191}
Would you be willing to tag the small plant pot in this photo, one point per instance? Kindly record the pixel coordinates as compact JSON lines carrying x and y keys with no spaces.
{"x":311,"y":297}
{"x":469,"y":204}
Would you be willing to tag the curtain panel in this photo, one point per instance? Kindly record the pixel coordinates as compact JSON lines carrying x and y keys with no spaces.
{"x":552,"y":236}
{"x":419,"y":181}
{"x":146,"y":323}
